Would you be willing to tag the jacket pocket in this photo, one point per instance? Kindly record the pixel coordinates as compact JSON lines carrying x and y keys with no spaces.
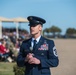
{"x":45,"y":71}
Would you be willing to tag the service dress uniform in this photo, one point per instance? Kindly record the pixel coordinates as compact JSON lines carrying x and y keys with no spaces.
{"x":44,"y":50}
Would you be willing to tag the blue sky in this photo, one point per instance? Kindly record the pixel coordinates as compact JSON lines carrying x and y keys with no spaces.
{"x":61,"y":13}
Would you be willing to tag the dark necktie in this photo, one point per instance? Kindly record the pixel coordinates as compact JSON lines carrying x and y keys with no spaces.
{"x":34,"y":46}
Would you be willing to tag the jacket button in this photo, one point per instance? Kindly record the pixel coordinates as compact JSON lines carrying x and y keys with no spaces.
{"x":42,"y":54}
{"x":33,"y":67}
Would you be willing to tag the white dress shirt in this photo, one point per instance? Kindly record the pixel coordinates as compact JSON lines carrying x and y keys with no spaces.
{"x":32,"y":43}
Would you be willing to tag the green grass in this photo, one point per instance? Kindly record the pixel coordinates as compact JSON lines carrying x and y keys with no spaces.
{"x":6,"y":68}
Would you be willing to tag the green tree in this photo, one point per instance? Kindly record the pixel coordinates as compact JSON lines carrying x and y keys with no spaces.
{"x":54,"y":30}
{"x":71,"y":31}
{"x":46,"y":30}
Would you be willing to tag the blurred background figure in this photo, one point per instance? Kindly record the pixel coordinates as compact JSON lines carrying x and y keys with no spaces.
{"x":4,"y":52}
{"x":8,"y":51}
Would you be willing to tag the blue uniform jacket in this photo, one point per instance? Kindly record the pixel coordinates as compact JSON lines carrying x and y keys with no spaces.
{"x":45,"y":51}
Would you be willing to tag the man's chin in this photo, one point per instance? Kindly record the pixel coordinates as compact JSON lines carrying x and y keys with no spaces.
{"x":33,"y":34}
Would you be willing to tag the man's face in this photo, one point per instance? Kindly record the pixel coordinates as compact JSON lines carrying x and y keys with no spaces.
{"x":35,"y":29}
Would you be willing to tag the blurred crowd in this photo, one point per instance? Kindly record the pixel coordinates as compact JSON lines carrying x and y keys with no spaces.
{"x":10,"y":45}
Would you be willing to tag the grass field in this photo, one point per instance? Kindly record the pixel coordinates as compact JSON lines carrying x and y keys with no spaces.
{"x":6,"y":68}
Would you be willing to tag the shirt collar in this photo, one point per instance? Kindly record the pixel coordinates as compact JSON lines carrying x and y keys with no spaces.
{"x":37,"y":39}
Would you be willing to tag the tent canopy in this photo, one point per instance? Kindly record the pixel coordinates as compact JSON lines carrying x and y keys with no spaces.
{"x":16,"y":20}
{"x":19,"y":19}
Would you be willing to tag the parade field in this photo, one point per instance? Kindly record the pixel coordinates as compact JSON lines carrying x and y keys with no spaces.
{"x":66,"y":49}
{"x":67,"y":57}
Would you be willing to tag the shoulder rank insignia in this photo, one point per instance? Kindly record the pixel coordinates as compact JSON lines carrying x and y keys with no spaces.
{"x":54,"y":51}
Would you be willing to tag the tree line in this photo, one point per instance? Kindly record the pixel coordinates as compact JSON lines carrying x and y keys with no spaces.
{"x":55,"y":31}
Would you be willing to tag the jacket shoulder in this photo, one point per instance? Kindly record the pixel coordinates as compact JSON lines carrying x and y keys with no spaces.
{"x":25,"y":41}
{"x":49,"y":40}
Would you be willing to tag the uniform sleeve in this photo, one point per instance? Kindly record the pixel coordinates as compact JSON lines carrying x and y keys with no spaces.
{"x":52,"y":60}
{"x":20,"y":57}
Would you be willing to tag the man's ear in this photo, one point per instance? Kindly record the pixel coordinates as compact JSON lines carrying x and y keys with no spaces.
{"x":40,"y":27}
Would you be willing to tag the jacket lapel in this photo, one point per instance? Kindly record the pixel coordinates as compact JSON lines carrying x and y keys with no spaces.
{"x":29,"y":43}
{"x":41,"y":41}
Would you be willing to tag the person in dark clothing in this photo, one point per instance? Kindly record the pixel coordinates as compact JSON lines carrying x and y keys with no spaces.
{"x":37,"y":54}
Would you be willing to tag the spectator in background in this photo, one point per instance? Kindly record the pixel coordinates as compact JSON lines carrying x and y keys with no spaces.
{"x":12,"y":38}
{"x":13,"y":52}
{"x":4,"y":52}
{"x":18,"y":43}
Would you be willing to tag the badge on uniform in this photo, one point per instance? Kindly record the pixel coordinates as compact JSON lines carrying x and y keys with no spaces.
{"x":54,"y":51}
{"x":44,"y":46}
